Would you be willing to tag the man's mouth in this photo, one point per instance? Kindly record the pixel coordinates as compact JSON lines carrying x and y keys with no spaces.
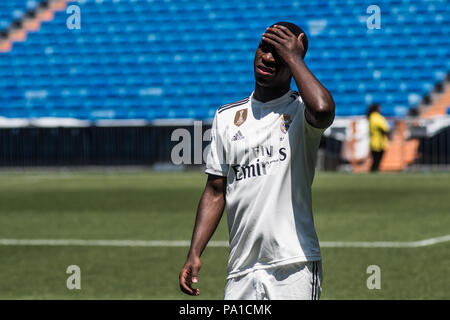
{"x":265,"y":70}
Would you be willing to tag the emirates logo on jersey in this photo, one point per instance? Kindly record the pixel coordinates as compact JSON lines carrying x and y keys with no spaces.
{"x":285,"y":122}
{"x":240,"y":117}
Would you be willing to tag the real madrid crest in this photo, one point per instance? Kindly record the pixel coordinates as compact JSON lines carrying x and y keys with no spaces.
{"x":285,"y":122}
{"x":240,"y":117}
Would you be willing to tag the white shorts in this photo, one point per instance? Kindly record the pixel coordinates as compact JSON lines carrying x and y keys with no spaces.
{"x":295,"y":281}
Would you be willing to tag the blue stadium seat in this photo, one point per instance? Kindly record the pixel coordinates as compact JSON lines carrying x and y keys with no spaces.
{"x":143,"y":59}
{"x":14,"y":10}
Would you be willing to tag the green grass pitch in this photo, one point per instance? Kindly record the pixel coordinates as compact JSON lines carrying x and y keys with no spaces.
{"x":144,"y":205}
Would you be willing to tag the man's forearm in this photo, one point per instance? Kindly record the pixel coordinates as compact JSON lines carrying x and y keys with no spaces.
{"x":209,"y":213}
{"x":317,"y":98}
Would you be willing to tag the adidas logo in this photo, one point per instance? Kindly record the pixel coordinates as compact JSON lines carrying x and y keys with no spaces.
{"x":238,"y":136}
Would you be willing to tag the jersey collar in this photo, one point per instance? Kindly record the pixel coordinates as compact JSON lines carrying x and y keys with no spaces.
{"x":283,"y":99}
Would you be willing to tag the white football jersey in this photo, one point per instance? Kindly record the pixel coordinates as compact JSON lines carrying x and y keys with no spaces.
{"x":268,"y":153}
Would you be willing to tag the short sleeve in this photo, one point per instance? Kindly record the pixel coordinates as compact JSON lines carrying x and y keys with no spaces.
{"x":215,"y":161}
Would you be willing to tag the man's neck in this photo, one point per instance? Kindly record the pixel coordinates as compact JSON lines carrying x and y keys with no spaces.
{"x":265,"y":94}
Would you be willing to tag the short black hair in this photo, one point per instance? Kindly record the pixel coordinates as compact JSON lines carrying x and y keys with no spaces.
{"x":296,"y":30}
{"x":372,"y":108}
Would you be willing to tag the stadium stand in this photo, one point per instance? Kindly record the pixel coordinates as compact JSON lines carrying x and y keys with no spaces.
{"x":13,"y":10}
{"x":143,"y":59}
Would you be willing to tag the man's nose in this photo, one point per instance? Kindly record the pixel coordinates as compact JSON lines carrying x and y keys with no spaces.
{"x":268,"y":56}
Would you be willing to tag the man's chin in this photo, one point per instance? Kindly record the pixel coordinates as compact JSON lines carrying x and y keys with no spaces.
{"x":264,"y":81}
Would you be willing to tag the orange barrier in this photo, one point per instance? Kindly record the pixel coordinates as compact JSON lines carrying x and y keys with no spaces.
{"x":399,"y":153}
{"x":32,"y":25}
{"x":439,"y":107}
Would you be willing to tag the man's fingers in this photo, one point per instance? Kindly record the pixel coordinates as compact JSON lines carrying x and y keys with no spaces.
{"x":278,"y":32}
{"x":270,"y":41}
{"x":194,"y":278}
{"x":194,"y":274}
{"x":273,"y":37}
{"x":184,"y":288}
{"x":285,"y":30}
{"x":187,"y":277}
{"x":185,"y":284}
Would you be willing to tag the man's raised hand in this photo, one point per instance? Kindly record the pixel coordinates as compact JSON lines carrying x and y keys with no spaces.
{"x":288,"y":46}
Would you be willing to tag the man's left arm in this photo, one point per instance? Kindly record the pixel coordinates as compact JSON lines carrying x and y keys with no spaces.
{"x":319,"y":103}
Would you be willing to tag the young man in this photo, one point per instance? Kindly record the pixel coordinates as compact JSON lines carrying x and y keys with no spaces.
{"x":261,"y":166}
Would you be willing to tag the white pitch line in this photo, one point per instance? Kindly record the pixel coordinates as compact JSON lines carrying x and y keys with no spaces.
{"x":385,"y":244}
{"x":104,"y":243}
{"x":223,"y":244}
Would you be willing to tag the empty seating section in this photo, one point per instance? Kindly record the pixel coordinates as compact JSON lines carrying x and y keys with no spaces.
{"x":11,"y":10}
{"x":145,"y":59}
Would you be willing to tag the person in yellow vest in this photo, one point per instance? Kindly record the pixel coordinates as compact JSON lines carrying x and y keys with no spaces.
{"x":378,"y":131}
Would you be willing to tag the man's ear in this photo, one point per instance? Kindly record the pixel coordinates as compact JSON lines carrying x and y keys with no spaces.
{"x":300,"y":39}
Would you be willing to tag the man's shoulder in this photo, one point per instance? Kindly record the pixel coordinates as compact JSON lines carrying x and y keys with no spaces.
{"x":229,"y":106}
{"x":376,"y":117}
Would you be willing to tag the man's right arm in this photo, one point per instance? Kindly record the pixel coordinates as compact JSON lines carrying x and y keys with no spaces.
{"x":209,"y":213}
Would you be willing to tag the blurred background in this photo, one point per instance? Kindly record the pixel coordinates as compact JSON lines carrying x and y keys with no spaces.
{"x":106,"y":82}
{"x":91,"y":92}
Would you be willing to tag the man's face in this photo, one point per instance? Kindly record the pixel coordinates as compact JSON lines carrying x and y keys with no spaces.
{"x":270,"y":70}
